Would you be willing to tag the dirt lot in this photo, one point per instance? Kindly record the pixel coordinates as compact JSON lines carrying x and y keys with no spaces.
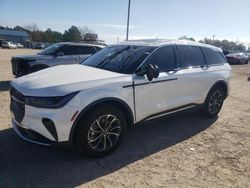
{"x":180,"y":151}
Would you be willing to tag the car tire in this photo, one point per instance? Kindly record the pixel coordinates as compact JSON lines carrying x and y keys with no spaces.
{"x":101,"y":131}
{"x":214,"y":102}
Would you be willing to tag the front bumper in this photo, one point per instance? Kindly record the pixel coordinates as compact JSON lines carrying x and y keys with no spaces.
{"x":30,"y":135}
{"x":34,"y":128}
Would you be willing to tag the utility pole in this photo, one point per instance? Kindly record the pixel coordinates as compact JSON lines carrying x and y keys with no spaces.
{"x":128,"y":19}
{"x":213,"y":38}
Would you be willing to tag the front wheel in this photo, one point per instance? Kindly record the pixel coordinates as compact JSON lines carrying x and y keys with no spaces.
{"x":213,"y":102}
{"x":101,"y":131}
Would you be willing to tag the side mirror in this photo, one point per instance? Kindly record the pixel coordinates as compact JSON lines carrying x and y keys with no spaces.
{"x":59,"y":54}
{"x":152,"y":71}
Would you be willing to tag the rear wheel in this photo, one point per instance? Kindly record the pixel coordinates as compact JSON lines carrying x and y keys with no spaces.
{"x":101,"y":131}
{"x":213,"y":102}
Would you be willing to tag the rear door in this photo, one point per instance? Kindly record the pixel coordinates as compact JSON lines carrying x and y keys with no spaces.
{"x":218,"y":68}
{"x":85,"y":52}
{"x":193,"y":73}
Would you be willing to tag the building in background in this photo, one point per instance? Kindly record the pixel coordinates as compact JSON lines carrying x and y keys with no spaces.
{"x":14,"y":36}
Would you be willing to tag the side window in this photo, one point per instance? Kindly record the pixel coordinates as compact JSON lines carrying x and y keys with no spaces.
{"x":86,"y":50}
{"x":213,"y":57}
{"x":97,"y":48}
{"x":70,"y":50}
{"x":191,"y":55}
{"x":164,"y":58}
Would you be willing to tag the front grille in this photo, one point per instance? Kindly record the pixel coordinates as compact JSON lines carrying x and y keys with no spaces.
{"x":20,"y":66}
{"x":17,"y":106}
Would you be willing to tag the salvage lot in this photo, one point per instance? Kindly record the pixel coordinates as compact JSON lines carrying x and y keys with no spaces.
{"x":183,"y":150}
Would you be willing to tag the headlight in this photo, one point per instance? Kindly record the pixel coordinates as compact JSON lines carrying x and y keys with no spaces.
{"x":49,"y":102}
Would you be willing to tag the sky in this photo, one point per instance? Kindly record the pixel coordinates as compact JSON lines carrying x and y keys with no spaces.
{"x":226,"y":19}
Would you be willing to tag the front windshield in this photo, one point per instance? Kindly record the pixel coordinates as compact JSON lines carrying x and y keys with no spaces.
{"x":119,"y":58}
{"x":51,"y":49}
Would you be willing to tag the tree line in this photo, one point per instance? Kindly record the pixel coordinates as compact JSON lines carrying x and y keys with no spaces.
{"x":76,"y":34}
{"x":73,"y":34}
{"x":225,"y":45}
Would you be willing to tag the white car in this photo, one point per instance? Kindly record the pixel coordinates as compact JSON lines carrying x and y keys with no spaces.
{"x":18,"y":45}
{"x":91,"y":104}
{"x":8,"y":45}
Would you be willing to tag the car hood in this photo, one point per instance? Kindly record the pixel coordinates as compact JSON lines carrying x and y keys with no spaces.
{"x":34,"y":57}
{"x":64,"y":79}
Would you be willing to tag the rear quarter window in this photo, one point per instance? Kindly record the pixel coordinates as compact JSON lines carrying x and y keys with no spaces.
{"x":213,"y":57}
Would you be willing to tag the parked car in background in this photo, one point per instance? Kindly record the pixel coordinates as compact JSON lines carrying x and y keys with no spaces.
{"x":248,"y":55}
{"x":39,"y":46}
{"x":91,"y":104}
{"x":56,"y":54}
{"x":8,"y":45}
{"x":237,"y":58}
{"x":18,"y":45}
{"x":225,"y":52}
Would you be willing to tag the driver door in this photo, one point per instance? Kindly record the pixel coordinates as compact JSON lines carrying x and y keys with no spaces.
{"x":160,"y":94}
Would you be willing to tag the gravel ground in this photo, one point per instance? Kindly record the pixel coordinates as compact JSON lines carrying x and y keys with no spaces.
{"x":184,"y":150}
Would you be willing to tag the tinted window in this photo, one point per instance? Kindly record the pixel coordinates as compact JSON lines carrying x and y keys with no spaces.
{"x":51,"y":49}
{"x":70,"y":50}
{"x":138,"y":57}
{"x":191,"y":55}
{"x":97,"y":48}
{"x":213,"y":57}
{"x":86,"y":50}
{"x":164,"y":58}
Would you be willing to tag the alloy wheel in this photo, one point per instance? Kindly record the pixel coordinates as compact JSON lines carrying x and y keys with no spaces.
{"x":104,"y":132}
{"x":215,"y":102}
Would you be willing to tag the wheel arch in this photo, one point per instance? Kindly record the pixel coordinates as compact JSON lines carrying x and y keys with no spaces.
{"x":105,"y":101}
{"x":223,"y":84}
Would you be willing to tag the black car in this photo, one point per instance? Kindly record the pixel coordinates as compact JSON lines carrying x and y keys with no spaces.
{"x":56,"y":54}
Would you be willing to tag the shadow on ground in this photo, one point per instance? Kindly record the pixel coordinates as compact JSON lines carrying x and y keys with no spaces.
{"x":4,"y":85}
{"x":26,"y":165}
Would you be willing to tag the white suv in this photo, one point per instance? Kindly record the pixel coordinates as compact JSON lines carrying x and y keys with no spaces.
{"x":91,"y":104}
